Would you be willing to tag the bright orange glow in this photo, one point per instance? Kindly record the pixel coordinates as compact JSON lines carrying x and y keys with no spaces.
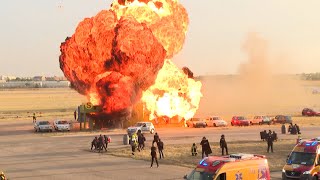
{"x":172,"y":94}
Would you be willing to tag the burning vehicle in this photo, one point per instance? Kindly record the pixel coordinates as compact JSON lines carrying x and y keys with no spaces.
{"x":123,"y":55}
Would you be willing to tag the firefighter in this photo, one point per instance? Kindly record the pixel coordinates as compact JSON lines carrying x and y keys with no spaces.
{"x":160,"y":148}
{"x":154,"y":155}
{"x":206,"y":149}
{"x":194,"y":149}
{"x":134,"y":142}
{"x":2,"y":176}
{"x":94,"y":143}
{"x":270,"y":141}
{"x":223,"y":145}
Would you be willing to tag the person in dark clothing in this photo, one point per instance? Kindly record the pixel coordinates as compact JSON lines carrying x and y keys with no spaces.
{"x":274,"y":136}
{"x":160,"y":148}
{"x":206,"y":149}
{"x":101,"y":143}
{"x":283,"y":129}
{"x":298,"y":128}
{"x":144,"y":140}
{"x":105,"y":142}
{"x":270,"y":142}
{"x":155,"y":138}
{"x":94,"y":143}
{"x":194,"y":149}
{"x":34,"y":118}
{"x":154,"y":156}
{"x":75,"y":115}
{"x":290,"y":128}
{"x":294,"y":130}
{"x":223,"y":145}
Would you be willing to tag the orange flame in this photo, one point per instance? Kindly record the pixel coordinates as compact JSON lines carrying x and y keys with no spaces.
{"x":172,"y":94}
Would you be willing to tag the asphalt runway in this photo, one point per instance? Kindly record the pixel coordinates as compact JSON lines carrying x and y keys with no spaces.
{"x":28,"y":155}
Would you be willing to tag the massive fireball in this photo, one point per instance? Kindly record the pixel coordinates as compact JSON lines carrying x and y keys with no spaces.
{"x":114,"y":58}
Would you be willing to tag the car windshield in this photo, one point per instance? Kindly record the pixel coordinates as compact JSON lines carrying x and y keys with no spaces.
{"x":197,"y":175}
{"x":44,"y":123}
{"x":266,"y":118}
{"x":288,"y":118}
{"x":301,"y":158}
{"x":215,"y":118}
{"x":62,"y":122}
{"x":139,"y":124}
{"x":241,"y":118}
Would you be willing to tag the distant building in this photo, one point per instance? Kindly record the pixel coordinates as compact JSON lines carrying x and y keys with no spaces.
{"x":39,"y":78}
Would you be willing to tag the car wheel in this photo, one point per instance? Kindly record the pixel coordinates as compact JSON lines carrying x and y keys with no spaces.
{"x":152,"y":131}
{"x":214,"y":125}
{"x":204,"y":126}
{"x":251,"y":123}
{"x":260,"y":123}
{"x":231,"y":124}
{"x":35,"y":130}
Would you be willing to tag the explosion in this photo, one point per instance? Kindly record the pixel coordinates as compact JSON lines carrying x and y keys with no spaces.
{"x":114,"y":58}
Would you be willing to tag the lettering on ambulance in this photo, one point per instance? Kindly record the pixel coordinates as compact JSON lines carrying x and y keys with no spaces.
{"x":239,"y":176}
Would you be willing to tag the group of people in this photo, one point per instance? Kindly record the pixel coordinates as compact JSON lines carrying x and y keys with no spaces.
{"x":292,"y":129}
{"x":269,"y":137}
{"x":137,"y":142}
{"x":100,"y":143}
{"x":206,"y":149}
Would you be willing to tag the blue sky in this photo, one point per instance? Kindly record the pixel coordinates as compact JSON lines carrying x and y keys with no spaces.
{"x":31,"y":32}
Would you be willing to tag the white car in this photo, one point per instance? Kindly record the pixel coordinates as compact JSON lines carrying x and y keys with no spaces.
{"x":143,"y":126}
{"x":43,"y":126}
{"x":215,"y":121}
{"x":60,"y":125}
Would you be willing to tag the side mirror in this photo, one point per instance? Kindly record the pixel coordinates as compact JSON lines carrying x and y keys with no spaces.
{"x":185,"y":177}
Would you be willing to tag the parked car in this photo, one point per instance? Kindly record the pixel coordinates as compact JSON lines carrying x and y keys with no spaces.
{"x":282,"y":119}
{"x":43,"y":126}
{"x":60,"y":125}
{"x":310,"y":112}
{"x":261,"y":120}
{"x":215,"y":121}
{"x":145,"y":127}
{"x":196,"y":122}
{"x":239,"y":121}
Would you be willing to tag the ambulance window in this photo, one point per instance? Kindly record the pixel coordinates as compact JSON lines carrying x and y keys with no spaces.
{"x":222,"y":176}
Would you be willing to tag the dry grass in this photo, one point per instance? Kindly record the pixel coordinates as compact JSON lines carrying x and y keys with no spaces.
{"x":181,"y":155}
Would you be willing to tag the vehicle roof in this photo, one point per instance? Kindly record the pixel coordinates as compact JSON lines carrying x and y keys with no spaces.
{"x":213,"y":163}
{"x":309,"y":146}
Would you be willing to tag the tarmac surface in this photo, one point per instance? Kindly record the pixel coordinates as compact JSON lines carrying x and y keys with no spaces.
{"x":28,"y":155}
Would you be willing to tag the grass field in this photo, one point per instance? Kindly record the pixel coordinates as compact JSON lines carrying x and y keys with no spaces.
{"x":181,"y":155}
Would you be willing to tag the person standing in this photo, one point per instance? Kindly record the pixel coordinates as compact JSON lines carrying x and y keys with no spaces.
{"x":155,"y":138}
{"x":194,"y":149}
{"x":223,"y":145}
{"x":75,"y":115}
{"x":298,"y":128}
{"x":34,"y":118}
{"x":283,"y":129}
{"x":106,"y":142}
{"x":270,"y":142}
{"x":134,"y":142}
{"x":101,"y":143}
{"x":154,"y":156}
{"x":206,"y":149}
{"x":160,"y":149}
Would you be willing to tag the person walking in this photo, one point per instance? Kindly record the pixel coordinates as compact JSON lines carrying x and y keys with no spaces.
{"x":223,"y":145}
{"x":94,"y":143}
{"x":101,"y":143}
{"x":154,"y":156}
{"x":206,"y":149}
{"x":270,"y":142}
{"x":194,"y":149}
{"x":160,"y":149}
{"x":140,"y":141}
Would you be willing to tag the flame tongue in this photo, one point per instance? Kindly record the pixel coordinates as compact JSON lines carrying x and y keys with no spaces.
{"x":173,"y":93}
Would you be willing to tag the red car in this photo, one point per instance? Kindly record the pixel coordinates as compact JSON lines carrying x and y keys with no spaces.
{"x":239,"y":121}
{"x":310,"y":112}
